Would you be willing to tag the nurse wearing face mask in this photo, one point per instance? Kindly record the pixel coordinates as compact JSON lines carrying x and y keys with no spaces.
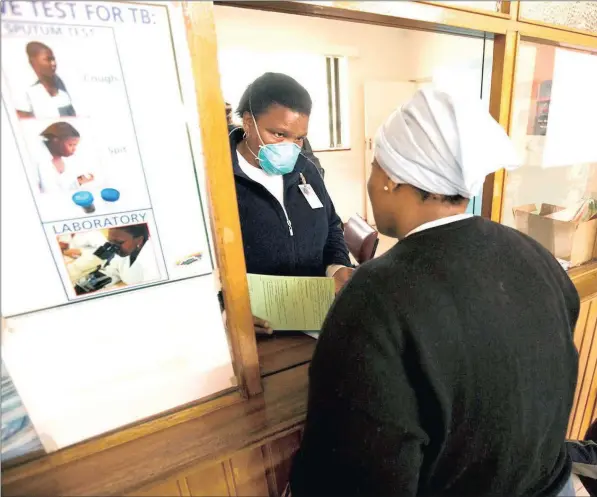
{"x":289,"y":224}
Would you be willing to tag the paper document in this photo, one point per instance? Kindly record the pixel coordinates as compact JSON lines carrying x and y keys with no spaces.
{"x":291,"y":303}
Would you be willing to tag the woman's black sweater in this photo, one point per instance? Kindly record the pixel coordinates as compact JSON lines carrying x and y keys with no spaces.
{"x":445,"y":367}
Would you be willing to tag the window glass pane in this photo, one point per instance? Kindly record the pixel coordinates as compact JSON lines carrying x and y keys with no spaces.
{"x":572,"y":14}
{"x":468,"y":76}
{"x":553,"y":128}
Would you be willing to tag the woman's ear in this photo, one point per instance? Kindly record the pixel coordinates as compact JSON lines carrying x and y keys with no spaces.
{"x":247,"y":123}
{"x":391,"y":185}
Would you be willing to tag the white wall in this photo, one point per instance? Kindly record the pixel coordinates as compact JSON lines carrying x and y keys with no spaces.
{"x":375,"y":53}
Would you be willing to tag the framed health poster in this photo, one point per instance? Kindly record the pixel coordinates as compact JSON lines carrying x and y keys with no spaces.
{"x":108,"y":286}
{"x":99,"y":187}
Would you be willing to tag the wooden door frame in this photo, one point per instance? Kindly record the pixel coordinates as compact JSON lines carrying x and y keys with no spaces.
{"x":221,"y":191}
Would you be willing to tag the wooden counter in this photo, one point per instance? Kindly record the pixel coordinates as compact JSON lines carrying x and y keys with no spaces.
{"x":280,"y":352}
{"x":241,"y":449}
{"x":227,"y":446}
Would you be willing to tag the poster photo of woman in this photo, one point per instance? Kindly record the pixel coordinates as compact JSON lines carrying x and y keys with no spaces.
{"x":47,"y":97}
{"x":57,"y":168}
{"x":47,"y":75}
{"x":63,"y":158}
{"x":68,"y":156}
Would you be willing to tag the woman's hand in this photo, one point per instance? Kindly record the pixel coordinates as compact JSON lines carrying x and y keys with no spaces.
{"x":342,"y":276}
{"x":85,"y":178}
{"x":262,"y":327}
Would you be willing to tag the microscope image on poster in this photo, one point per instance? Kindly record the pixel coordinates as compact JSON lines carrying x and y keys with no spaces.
{"x":109,"y":259}
{"x":90,"y":275}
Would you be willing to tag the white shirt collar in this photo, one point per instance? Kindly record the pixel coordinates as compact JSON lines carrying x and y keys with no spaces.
{"x":439,"y":222}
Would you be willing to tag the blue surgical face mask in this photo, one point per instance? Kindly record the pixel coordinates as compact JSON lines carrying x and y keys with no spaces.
{"x":277,"y":158}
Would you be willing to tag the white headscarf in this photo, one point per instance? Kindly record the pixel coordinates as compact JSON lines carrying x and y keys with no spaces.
{"x":443,"y":145}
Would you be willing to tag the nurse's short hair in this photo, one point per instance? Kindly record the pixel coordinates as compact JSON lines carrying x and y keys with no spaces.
{"x":275,"y":88}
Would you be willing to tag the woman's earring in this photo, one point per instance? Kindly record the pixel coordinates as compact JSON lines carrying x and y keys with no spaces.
{"x":385,"y":188}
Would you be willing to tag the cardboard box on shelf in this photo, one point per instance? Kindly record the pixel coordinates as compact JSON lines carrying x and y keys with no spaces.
{"x":567,"y":240}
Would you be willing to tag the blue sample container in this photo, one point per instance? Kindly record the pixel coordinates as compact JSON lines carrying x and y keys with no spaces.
{"x":84,"y":199}
{"x":110,"y":194}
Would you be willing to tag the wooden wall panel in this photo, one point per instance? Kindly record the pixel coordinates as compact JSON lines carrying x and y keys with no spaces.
{"x":579,"y":335}
{"x":210,"y":481}
{"x":168,"y":488}
{"x":589,"y":411}
{"x":248,"y":473}
{"x":584,"y":409}
{"x":278,"y":455}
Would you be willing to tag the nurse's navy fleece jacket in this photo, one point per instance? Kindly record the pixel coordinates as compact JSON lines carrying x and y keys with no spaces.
{"x":312,"y":241}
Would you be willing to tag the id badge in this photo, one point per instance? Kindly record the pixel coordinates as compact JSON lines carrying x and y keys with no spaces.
{"x":311,"y":196}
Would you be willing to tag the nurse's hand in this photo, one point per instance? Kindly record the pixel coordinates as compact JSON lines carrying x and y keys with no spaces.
{"x":262,"y":327}
{"x":342,"y":276}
